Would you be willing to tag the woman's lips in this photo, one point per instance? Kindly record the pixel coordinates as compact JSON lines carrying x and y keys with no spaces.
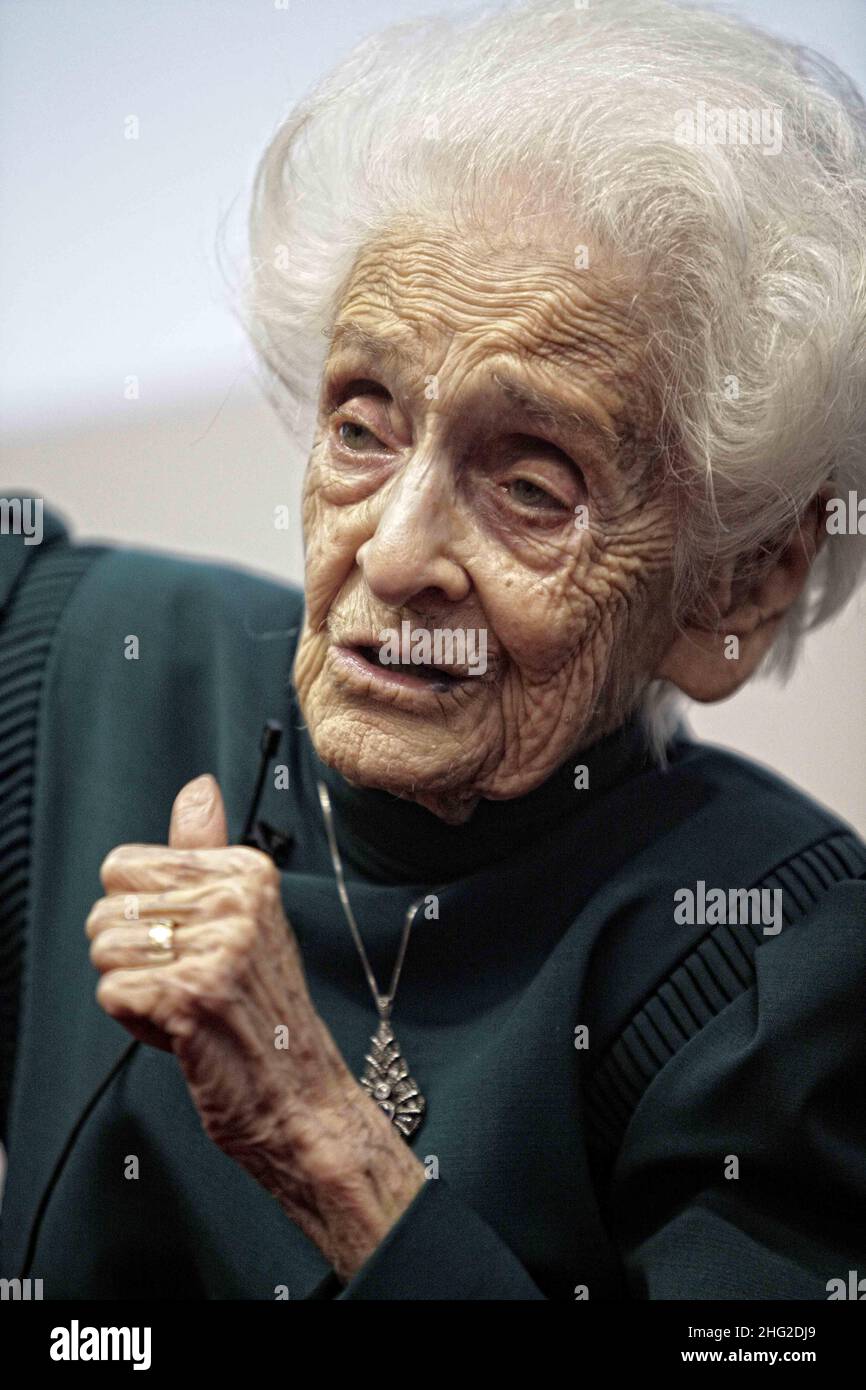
{"x":359,"y":666}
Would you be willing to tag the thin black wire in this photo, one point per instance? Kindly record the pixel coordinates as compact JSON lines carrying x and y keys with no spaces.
{"x":67,"y":1149}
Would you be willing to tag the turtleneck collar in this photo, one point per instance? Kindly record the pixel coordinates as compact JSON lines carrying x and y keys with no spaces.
{"x":387,"y":839}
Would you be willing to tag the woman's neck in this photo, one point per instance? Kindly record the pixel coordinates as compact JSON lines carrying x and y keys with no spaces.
{"x":389,"y":838}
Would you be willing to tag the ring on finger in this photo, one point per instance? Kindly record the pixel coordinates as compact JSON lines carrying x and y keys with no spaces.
{"x":161,"y":938}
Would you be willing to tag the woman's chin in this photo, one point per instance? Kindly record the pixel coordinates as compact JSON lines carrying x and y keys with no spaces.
{"x":371,"y":756}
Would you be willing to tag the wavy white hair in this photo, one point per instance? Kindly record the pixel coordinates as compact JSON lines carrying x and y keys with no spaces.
{"x":749,"y":266}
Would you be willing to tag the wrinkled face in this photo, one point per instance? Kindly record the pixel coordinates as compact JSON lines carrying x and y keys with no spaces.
{"x":480,"y":469}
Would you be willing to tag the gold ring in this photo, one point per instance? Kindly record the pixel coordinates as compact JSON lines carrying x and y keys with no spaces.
{"x":161,"y":937}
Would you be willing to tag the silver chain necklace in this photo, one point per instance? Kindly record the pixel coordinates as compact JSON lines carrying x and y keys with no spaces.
{"x":386,"y":1076}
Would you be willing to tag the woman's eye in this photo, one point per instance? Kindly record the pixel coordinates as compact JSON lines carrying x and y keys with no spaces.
{"x":529,"y":494}
{"x":357,"y":437}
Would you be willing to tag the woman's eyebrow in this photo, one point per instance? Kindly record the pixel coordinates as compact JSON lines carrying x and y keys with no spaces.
{"x":351,"y":334}
{"x":538,"y":404}
{"x":553,"y":411}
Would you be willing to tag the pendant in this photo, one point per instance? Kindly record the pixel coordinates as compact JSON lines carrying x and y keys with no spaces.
{"x":386,"y":1078}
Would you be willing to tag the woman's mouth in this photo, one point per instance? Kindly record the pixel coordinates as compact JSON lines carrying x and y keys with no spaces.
{"x":364,"y":662}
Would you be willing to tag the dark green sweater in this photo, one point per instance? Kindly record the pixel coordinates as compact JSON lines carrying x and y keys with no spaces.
{"x":605,"y":1169}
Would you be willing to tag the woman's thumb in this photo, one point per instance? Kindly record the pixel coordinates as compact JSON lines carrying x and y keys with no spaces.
{"x":198,"y":816}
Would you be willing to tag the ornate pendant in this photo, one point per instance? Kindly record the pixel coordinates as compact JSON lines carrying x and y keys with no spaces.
{"x":386,"y":1078}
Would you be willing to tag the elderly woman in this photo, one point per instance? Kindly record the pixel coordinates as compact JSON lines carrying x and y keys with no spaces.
{"x":497,"y":985}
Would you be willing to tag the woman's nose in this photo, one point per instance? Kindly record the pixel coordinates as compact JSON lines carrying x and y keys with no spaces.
{"x":411,"y":547}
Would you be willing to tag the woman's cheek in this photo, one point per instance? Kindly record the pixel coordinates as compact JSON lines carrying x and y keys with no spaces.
{"x":537,"y":624}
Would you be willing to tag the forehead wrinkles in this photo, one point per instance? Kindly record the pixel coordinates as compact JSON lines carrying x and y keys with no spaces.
{"x":440,"y":304}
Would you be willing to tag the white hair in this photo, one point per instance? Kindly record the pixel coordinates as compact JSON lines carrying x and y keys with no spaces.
{"x":749,"y":262}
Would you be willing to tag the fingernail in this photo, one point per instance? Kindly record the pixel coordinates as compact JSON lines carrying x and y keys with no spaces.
{"x":200,"y":790}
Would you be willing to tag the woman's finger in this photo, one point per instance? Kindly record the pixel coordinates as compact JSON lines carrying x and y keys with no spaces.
{"x":206,"y":901}
{"x":137,"y":1000}
{"x":157,"y":868}
{"x":135,"y":945}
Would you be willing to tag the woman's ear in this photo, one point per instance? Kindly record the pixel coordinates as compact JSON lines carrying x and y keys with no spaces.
{"x":709,"y":659}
